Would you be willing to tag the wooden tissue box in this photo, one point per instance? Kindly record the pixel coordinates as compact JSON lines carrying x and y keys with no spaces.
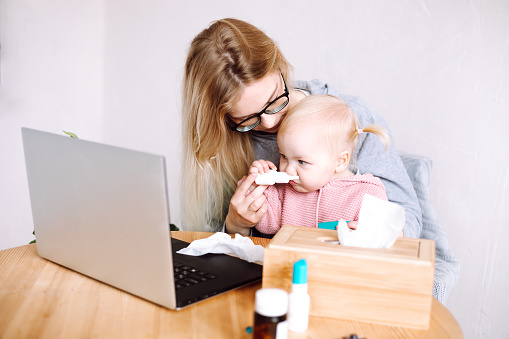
{"x":390,"y":286}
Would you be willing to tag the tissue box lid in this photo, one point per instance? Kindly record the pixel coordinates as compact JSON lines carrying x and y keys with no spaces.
{"x":323,"y":241}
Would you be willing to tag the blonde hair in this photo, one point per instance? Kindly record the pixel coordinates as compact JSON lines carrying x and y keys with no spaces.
{"x":336,"y":122}
{"x":222,"y":60}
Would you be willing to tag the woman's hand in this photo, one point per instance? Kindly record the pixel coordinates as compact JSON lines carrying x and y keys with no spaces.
{"x":247,"y":206}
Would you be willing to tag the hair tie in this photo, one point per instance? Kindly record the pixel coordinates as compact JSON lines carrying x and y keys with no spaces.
{"x":360,"y":131}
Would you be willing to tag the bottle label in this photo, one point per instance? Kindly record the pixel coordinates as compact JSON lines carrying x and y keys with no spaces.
{"x":282,"y":330}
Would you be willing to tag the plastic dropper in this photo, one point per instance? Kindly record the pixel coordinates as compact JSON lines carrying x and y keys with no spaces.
{"x":274,"y":177}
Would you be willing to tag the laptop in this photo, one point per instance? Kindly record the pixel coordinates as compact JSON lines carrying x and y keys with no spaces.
{"x":103,"y":211}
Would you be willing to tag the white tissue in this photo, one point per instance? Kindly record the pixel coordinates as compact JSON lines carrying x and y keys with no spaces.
{"x":221,"y":242}
{"x":380,"y":223}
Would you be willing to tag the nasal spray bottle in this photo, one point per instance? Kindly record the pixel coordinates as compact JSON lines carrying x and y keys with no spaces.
{"x":273,"y":177}
{"x":298,"y":303}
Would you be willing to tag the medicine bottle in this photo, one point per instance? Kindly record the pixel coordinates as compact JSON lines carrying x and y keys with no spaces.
{"x":299,"y":301}
{"x":271,"y":306}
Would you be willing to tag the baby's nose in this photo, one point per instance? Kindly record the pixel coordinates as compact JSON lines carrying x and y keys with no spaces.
{"x":291,"y":170}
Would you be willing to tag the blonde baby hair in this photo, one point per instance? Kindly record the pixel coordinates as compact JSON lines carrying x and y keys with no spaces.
{"x":334,"y":120}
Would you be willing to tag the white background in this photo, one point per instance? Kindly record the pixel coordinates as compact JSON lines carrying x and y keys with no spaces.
{"x":438,"y":71}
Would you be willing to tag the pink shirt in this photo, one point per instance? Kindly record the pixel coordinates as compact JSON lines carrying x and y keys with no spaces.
{"x":339,"y":199}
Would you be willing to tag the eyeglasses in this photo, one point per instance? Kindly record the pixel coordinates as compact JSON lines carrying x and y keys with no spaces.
{"x":272,"y":107}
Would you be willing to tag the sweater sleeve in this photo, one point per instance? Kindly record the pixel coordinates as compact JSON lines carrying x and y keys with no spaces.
{"x":271,"y":221}
{"x":378,"y":191}
{"x":373,"y":158}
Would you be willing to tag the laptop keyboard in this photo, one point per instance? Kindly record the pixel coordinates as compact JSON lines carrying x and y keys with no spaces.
{"x":185,"y":275}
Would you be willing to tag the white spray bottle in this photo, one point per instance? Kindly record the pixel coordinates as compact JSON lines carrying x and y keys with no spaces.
{"x":299,"y":301}
{"x":274,"y":177}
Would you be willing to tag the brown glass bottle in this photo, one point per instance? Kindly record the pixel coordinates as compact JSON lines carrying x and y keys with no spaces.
{"x":271,"y":307}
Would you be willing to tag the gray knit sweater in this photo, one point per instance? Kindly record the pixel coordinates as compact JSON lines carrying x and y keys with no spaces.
{"x":370,"y":156}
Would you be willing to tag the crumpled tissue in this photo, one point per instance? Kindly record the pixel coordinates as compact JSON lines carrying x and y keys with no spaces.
{"x":380,"y":223}
{"x":221,"y":242}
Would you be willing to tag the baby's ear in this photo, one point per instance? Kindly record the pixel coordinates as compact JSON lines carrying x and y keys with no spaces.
{"x":342,"y":161}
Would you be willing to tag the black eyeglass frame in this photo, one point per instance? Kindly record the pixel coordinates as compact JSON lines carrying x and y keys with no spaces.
{"x":240,"y":128}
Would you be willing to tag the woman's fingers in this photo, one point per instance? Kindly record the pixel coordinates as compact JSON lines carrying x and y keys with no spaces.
{"x":257,"y":210}
{"x":247,"y":205}
{"x":262,"y":210}
{"x":258,"y":215}
{"x":246,"y":193}
{"x":257,"y":204}
{"x":241,"y":180}
{"x":245,"y":184}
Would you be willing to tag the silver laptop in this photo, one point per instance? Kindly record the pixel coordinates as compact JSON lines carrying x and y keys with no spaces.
{"x":103,"y":211}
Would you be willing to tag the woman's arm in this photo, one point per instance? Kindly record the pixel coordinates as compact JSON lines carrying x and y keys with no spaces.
{"x":386,"y":165}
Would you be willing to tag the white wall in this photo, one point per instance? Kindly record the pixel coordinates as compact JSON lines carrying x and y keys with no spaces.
{"x":438,"y":71}
{"x":51,"y":78}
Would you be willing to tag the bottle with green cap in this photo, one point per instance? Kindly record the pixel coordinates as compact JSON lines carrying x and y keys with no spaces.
{"x":299,"y":301}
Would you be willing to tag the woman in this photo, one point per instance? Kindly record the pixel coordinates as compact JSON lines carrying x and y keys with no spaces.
{"x":237,"y":89}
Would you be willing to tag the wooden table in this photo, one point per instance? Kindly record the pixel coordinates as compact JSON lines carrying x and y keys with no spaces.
{"x":40,"y":299}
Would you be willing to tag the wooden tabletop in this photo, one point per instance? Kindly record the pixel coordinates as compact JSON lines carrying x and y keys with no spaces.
{"x":40,"y":299}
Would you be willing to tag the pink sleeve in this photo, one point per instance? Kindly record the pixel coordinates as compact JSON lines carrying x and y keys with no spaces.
{"x":378,"y":191}
{"x":375,"y":189}
{"x":271,"y":221}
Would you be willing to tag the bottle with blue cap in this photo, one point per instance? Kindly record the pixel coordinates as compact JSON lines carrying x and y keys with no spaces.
{"x":299,"y":301}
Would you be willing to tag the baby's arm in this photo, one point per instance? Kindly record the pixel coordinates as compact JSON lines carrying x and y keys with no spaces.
{"x":271,"y":221}
{"x":379,"y":192}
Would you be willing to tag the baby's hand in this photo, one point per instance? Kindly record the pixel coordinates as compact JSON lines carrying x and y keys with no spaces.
{"x":352,"y":225}
{"x":262,"y":166}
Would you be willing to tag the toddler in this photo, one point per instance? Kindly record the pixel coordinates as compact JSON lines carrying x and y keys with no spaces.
{"x":316,"y":141}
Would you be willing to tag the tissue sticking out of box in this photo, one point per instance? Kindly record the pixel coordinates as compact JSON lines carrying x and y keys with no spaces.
{"x":380,"y":223}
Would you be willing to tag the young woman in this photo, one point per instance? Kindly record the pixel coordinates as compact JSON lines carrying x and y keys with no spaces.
{"x":237,"y":89}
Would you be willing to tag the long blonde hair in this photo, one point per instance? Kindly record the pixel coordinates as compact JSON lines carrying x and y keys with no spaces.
{"x":337,"y":123}
{"x":222,"y":60}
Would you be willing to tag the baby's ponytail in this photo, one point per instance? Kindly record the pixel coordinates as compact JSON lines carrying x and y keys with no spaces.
{"x":375,"y":129}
